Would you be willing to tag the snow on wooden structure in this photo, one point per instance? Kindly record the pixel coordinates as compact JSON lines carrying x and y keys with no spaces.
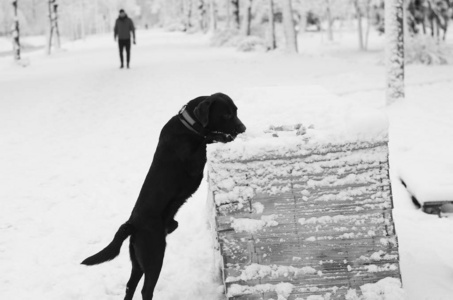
{"x":301,"y":212}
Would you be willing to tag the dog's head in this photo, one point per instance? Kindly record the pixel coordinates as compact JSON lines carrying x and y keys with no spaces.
{"x":218,"y":115}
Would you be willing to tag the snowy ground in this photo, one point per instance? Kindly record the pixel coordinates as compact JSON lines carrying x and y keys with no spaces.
{"x":78,"y":135}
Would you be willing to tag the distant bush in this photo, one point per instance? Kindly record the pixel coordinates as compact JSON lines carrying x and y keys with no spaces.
{"x":251,"y":43}
{"x":193,"y":30}
{"x":427,"y":50}
{"x":224,"y":38}
{"x":232,"y":38}
{"x":175,"y":27}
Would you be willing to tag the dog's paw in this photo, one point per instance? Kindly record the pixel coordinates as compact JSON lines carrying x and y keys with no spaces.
{"x":171,"y":226}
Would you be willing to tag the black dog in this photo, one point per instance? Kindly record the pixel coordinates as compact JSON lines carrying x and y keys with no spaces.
{"x":175,"y":174}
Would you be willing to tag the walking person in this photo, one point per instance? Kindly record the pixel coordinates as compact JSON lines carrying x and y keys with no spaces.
{"x":123,"y":29}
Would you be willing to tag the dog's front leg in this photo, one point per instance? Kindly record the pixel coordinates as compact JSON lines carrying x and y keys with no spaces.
{"x":196,"y":161}
{"x":194,"y":165}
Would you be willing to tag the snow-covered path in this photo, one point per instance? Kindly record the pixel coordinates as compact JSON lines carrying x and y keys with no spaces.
{"x":77,"y":136}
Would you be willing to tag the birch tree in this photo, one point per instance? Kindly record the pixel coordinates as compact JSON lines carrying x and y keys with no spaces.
{"x":362,"y":8}
{"x":288,"y":23}
{"x":329,"y":20}
{"x":247,"y":18}
{"x":272,"y":40}
{"x":16,"y":31}
{"x":394,"y":32}
{"x":212,"y":16}
{"x":53,"y":30}
{"x":234,"y":10}
{"x":188,"y":13}
{"x":202,"y":15}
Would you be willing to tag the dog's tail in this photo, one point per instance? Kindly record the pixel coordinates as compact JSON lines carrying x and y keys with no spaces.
{"x":113,"y":249}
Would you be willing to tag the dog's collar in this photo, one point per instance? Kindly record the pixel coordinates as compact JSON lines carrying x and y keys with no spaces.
{"x":190,"y":123}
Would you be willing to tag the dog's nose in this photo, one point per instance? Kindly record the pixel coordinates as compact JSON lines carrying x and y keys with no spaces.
{"x":240,"y":128}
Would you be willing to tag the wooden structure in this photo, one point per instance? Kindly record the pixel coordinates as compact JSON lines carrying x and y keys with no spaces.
{"x":312,"y":219}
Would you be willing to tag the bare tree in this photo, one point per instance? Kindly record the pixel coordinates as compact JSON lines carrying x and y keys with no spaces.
{"x":394,"y":32}
{"x":202,"y":15}
{"x":228,"y":13}
{"x":288,"y":23}
{"x":16,"y":31}
{"x":273,"y":41}
{"x":247,"y":19}
{"x":235,"y":13}
{"x":362,"y":9}
{"x":359,"y":16}
{"x":368,"y":24}
{"x":53,"y":20}
{"x":213,"y":15}
{"x":82,"y":19}
{"x":329,"y":21}
{"x":188,"y":13}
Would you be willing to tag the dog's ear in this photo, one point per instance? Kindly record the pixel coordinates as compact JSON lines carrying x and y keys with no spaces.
{"x":201,"y":112}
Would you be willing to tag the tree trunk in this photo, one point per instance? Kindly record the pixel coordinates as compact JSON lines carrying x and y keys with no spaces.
{"x":53,"y":21}
{"x":213,"y":16}
{"x":50,"y":32}
{"x":82,"y":19}
{"x":288,"y":23}
{"x":97,"y":28}
{"x":188,"y":13}
{"x":202,"y":14}
{"x":228,"y":12}
{"x":394,"y":32}
{"x":329,"y":21}
{"x":368,"y":25}
{"x":235,"y":13}
{"x":57,"y":30}
{"x":303,"y":10}
{"x":16,"y":32}
{"x":359,"y":24}
{"x":272,"y":42}
{"x":33,"y":9}
{"x":246,"y":23}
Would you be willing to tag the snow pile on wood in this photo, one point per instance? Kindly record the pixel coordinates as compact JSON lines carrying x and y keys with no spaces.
{"x":305,"y":119}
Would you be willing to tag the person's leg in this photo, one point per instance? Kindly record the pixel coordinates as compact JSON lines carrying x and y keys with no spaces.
{"x":121,"y":47}
{"x":128,"y":51}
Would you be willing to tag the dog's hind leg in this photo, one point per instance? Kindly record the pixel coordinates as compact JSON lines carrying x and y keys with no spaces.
{"x":136,"y":274}
{"x":149,"y":249}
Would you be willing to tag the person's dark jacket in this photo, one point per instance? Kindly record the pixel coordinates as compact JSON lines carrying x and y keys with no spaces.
{"x":123,"y":28}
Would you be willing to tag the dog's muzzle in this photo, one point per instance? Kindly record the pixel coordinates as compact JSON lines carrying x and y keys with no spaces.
{"x":240,"y":128}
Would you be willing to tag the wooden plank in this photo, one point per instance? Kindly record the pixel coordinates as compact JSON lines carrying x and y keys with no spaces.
{"x":321,"y":222}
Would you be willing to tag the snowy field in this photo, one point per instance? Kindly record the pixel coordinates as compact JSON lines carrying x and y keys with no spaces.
{"x":77,"y":136}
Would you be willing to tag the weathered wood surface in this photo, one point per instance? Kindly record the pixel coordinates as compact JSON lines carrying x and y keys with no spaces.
{"x":321,"y":222}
